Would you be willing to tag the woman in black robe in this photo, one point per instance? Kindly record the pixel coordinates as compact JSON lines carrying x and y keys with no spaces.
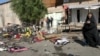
{"x":90,"y":31}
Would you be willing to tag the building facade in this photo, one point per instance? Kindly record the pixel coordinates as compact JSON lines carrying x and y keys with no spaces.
{"x":78,"y":11}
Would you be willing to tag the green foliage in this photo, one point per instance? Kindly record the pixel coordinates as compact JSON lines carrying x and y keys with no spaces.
{"x":29,"y":10}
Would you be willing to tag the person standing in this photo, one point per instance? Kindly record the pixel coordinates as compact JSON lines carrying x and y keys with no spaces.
{"x":90,"y":31}
{"x":51,"y":21}
{"x":48,"y":23}
{"x":41,"y":22}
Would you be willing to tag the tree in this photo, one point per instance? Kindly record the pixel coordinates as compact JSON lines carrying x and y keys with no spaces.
{"x":29,"y":10}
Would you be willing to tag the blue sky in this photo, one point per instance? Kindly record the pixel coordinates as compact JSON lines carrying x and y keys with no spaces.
{"x":1,"y":1}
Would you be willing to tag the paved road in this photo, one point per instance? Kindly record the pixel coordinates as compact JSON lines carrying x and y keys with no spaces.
{"x":46,"y":48}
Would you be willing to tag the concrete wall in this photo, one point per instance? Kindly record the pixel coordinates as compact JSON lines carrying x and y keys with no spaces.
{"x":1,"y":25}
{"x":74,"y":15}
{"x":8,"y":15}
{"x":84,"y":14}
{"x":56,"y":17}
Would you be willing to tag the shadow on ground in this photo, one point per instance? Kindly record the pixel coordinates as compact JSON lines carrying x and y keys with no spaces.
{"x":64,"y":54}
{"x":79,"y":41}
{"x":58,"y":48}
{"x":67,"y":30}
{"x":59,"y":52}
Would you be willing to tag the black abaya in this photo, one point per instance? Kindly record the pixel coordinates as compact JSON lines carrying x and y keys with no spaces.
{"x":90,"y":32}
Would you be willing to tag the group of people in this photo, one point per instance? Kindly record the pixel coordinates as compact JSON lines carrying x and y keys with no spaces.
{"x":48,"y":22}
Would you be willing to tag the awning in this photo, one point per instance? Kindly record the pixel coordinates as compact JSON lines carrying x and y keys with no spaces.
{"x":83,"y":5}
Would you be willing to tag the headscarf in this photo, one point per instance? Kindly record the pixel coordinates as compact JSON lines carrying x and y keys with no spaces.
{"x":91,"y":25}
{"x":92,"y":19}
